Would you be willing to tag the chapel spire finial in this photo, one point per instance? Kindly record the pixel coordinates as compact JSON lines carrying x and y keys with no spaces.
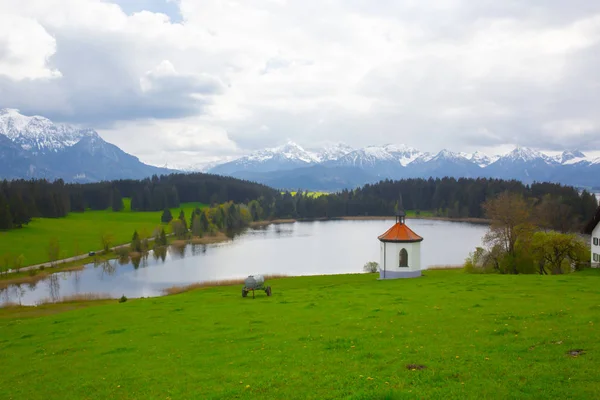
{"x":400,"y":214}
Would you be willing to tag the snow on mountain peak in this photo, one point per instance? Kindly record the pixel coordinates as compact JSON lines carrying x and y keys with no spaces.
{"x":445,"y":154}
{"x":569,"y":157}
{"x":290,"y":151}
{"x":525,"y":154}
{"x":39,"y":134}
{"x":479,"y":158}
{"x":331,"y":151}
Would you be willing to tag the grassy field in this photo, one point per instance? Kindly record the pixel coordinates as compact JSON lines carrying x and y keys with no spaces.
{"x":445,"y":335}
{"x":80,"y":233}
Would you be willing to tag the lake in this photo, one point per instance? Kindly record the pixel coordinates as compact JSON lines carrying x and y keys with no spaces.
{"x":300,"y":248}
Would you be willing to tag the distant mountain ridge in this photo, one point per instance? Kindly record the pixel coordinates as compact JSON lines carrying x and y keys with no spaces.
{"x":35,"y":147}
{"x":286,"y":166}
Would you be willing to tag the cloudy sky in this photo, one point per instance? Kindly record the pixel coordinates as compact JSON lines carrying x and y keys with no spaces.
{"x":188,"y":81}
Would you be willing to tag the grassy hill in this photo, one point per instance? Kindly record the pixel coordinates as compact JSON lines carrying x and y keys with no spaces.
{"x":445,"y":335}
{"x":79,"y":233}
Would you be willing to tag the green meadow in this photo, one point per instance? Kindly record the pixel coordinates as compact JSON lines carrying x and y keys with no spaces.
{"x":447,"y":335}
{"x":80,"y":233}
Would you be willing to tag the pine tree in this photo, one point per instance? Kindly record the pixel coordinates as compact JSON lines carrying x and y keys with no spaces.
{"x":137,"y":202}
{"x":6,"y":219}
{"x":197,"y":226}
{"x":166,"y":216}
{"x":18,"y":210}
{"x":117,"y":200}
{"x":146,"y":199}
{"x":163,"y":237}
{"x":204,"y":222}
{"x":195,"y":213}
{"x":136,"y":244}
{"x":174,"y":198}
{"x":183,"y":221}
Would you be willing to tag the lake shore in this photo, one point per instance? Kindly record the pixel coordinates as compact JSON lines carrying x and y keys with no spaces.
{"x":481,"y":221}
{"x":34,"y":272}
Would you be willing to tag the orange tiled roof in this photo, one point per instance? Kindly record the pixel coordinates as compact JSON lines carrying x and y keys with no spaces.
{"x":400,"y":233}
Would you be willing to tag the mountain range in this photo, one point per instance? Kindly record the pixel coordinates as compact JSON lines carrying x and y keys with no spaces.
{"x":35,"y":147}
{"x":339,"y":166}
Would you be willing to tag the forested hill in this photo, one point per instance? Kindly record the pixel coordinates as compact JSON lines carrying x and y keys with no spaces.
{"x":557,"y":206}
{"x":22,"y":200}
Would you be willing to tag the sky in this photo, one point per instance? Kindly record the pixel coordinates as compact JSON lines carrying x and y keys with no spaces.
{"x":181,"y":82}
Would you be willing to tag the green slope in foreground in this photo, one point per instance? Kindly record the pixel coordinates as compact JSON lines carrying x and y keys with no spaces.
{"x":328,"y":337}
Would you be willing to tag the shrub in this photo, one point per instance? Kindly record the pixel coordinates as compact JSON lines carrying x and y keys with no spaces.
{"x":371,"y":267}
{"x":122,"y":252}
{"x":123,"y":299}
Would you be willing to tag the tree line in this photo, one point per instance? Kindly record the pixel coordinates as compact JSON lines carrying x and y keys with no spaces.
{"x":560,"y":207}
{"x":556,"y":206}
{"x":226,"y":217}
{"x":22,"y":200}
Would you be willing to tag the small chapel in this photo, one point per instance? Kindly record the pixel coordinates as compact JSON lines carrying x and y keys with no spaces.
{"x":400,"y":251}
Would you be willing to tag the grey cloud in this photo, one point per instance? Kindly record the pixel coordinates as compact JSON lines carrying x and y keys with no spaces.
{"x":177,"y":84}
{"x":425,"y":100}
{"x":100,"y":85}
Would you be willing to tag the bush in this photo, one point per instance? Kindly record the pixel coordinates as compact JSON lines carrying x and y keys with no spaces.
{"x":122,"y":252}
{"x":123,"y":299}
{"x":371,"y":267}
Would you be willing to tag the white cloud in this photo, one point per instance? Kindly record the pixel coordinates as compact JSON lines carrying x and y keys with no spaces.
{"x":25,"y":47}
{"x":238,"y":75}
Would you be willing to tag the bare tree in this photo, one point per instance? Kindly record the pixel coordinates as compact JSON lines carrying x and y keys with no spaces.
{"x":551,"y":213}
{"x":510,"y":216}
{"x":19,"y":261}
{"x":106,"y":240}
{"x":53,"y":250}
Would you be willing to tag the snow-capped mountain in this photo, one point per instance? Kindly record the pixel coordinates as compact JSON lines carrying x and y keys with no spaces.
{"x":526,"y":155}
{"x":404,"y":154}
{"x":570,"y":157}
{"x":287,"y":156}
{"x":381,"y":161}
{"x":35,"y":147}
{"x":37,"y":134}
{"x":400,"y":161}
{"x":481,"y":159}
{"x":331,"y":152}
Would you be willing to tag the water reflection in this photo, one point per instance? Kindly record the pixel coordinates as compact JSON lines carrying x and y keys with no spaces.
{"x":160,"y":253}
{"x":317,"y":248}
{"x":197,"y":249}
{"x":108,"y":268}
{"x":54,"y":287}
{"x":177,"y":251}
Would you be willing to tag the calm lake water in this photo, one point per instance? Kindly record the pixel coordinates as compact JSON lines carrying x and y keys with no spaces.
{"x":301,"y":248}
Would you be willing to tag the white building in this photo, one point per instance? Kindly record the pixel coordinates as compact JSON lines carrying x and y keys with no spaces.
{"x":593,"y":229}
{"x":400,"y":252}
